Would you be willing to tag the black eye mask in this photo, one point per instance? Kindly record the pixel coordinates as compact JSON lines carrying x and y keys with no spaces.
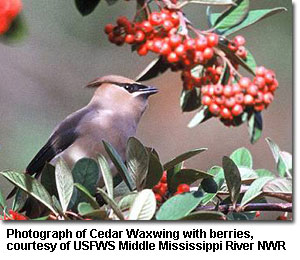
{"x":131,"y":88}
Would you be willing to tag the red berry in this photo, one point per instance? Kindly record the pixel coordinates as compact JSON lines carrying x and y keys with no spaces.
{"x":220,"y":100}
{"x":212,"y":40}
{"x":180,"y":50}
{"x":201,"y":43}
{"x":260,"y":71}
{"x":108,"y":28}
{"x":242,"y":52}
{"x":252,"y":90}
{"x":129,"y":38}
{"x":269,"y":77}
{"x":248,"y":100}
{"x":282,"y":217}
{"x":239,"y":98}
{"x":218,"y":89}
{"x":122,"y":21}
{"x":142,"y":50}
{"x":225,"y":113}
{"x":244,"y":82}
{"x":239,"y":40}
{"x":257,"y":214}
{"x":164,"y":177}
{"x":230,"y":102}
{"x":15,"y":7}
{"x":227,"y":91}
{"x":183,"y":188}
{"x":167,"y":25}
{"x":260,"y":82}
{"x":146,"y":26}
{"x":208,"y":53}
{"x":174,"y":18}
{"x":158,"y":197}
{"x":172,"y":57}
{"x":236,"y":89}
{"x":157,"y":45}
{"x":259,"y":107}
{"x":237,"y":110}
{"x":214,"y":109}
{"x":268,"y":98}
{"x":199,"y":57}
{"x":206,"y":100}
{"x":155,"y":19}
{"x":156,"y":188}
{"x":189,"y":44}
{"x":232,"y":46}
{"x":165,"y":49}
{"x":274,"y":86}
{"x":175,"y":40}
{"x":139,"y":36}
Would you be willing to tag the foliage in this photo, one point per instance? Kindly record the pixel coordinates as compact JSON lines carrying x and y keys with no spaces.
{"x":220,"y":193}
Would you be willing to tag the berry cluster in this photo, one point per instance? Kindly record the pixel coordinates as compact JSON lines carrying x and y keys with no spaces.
{"x":9,"y":9}
{"x":231,"y":100}
{"x":13,"y":215}
{"x":159,"y":34}
{"x":160,"y":189}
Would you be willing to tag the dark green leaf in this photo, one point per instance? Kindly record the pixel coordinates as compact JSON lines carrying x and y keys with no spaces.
{"x":137,"y":159}
{"x":156,"y":67}
{"x":241,"y":216}
{"x":155,"y":171}
{"x":85,"y":7}
{"x":64,"y":184}
{"x":233,"y":15}
{"x":107,"y":176}
{"x":190,"y":100}
{"x":121,"y":190}
{"x":86,"y":172}
{"x":182,"y":157}
{"x":179,"y":206}
{"x":119,"y":164}
{"x":255,"y":189}
{"x":19,"y":200}
{"x":171,"y":172}
{"x":144,"y":206}
{"x":111,"y":203}
{"x":242,"y":157}
{"x":89,"y":198}
{"x":31,"y":186}
{"x":205,"y":215}
{"x":17,"y":31}
{"x":255,"y":126}
{"x":201,"y":116}
{"x":212,"y":185}
{"x":48,"y":179}
{"x":232,"y":177}
{"x":187,"y":176}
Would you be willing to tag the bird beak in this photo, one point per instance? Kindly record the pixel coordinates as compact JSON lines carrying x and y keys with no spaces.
{"x":148,"y":91}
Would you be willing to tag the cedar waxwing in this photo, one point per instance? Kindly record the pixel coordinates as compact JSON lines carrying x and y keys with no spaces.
{"x":112,"y":115}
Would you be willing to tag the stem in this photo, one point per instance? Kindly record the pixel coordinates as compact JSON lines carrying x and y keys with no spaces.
{"x":282,"y":207}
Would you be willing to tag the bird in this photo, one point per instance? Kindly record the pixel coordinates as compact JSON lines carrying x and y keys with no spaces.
{"x":112,"y":115}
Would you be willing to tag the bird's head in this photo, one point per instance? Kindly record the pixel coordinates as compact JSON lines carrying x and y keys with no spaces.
{"x":117,"y":92}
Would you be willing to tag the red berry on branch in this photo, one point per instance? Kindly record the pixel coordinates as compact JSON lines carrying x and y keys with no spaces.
{"x":165,"y":49}
{"x":183,"y":188}
{"x":239,"y":40}
{"x":142,"y":50}
{"x":108,"y":28}
{"x":146,"y":26}
{"x":227,"y":91}
{"x":175,"y":40}
{"x":206,"y":100}
{"x":164,"y":177}
{"x":244,"y":82}
{"x":208,"y":53}
{"x":201,"y":43}
{"x":167,"y":25}
{"x":218,"y":89}
{"x":212,"y":40}
{"x":172,"y":57}
{"x":158,"y":197}
{"x":139,"y":36}
{"x":248,"y":100}
{"x":252,"y":90}
{"x":239,"y":98}
{"x":189,"y":44}
{"x":214,"y":109}
{"x":155,"y":18}
{"x":129,"y":38}
{"x":180,"y":50}
{"x":268,"y":98}
{"x":260,"y":71}
{"x":237,"y":110}
{"x":225,"y":113}
{"x":230,"y":102}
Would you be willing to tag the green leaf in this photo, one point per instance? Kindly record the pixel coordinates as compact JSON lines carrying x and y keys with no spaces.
{"x":282,"y":167}
{"x":84,"y":207}
{"x":107,"y":176}
{"x":264,"y":173}
{"x":242,"y":157}
{"x":233,"y":15}
{"x":155,"y":171}
{"x":17,"y":31}
{"x":287,"y":158}
{"x":111,"y":203}
{"x":253,"y":17}
{"x":201,"y":116}
{"x":255,"y":126}
{"x":48,"y":179}
{"x":143,"y":207}
{"x":250,"y":60}
{"x":247,"y":175}
{"x":86,"y":172}
{"x":213,"y":185}
{"x":234,"y":216}
{"x":205,"y":215}
{"x":279,"y":185}
{"x":121,"y":190}
{"x":64,"y":184}
{"x":137,"y":159}
{"x":19,"y":200}
{"x":232,"y":177}
{"x":190,"y":100}
{"x":2,"y":200}
{"x":153,"y":69}
{"x":97,"y":214}
{"x":89,"y":198}
{"x":255,"y":190}
{"x":85,"y":7}
{"x":182,"y":157}
{"x":57,"y":205}
{"x":31,"y":186}
{"x":117,"y":161}
{"x":208,"y":197}
{"x":127,"y":201}
{"x":187,"y":176}
{"x":179,"y":206}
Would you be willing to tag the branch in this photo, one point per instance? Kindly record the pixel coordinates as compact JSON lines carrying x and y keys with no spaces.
{"x":283,"y":207}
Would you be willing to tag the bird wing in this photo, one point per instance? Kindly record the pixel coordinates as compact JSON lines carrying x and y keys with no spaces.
{"x":62,"y":137}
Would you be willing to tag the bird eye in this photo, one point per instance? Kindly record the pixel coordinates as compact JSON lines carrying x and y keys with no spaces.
{"x":129,"y":88}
